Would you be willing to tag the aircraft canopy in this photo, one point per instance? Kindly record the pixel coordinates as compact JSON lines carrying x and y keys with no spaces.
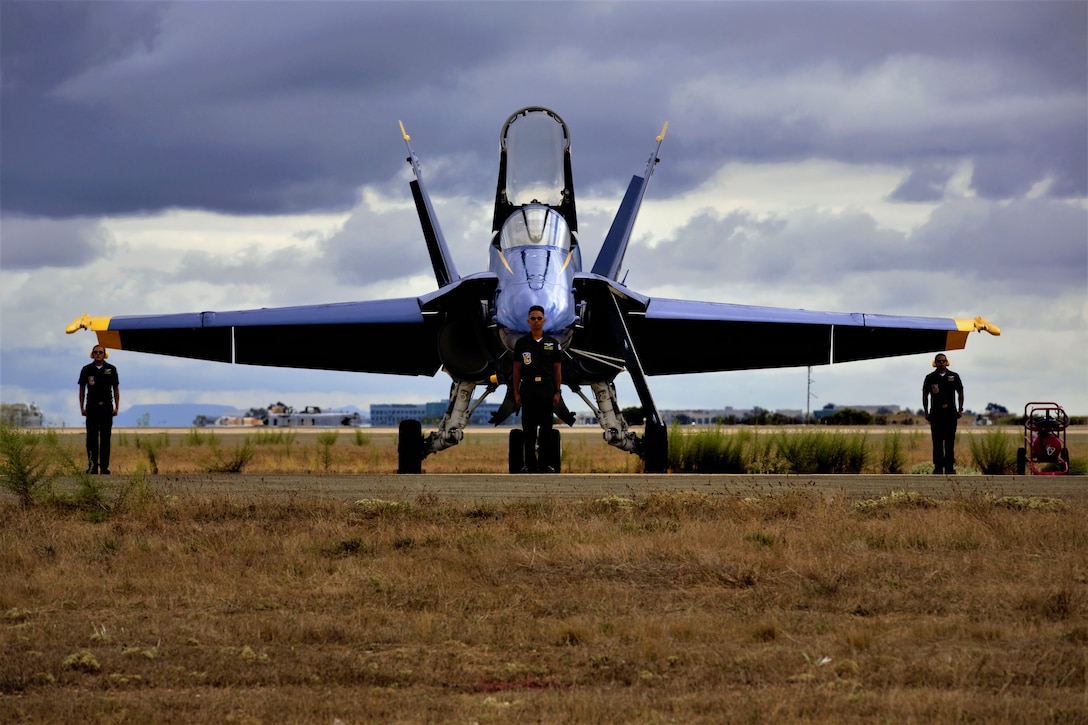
{"x":535,"y":226}
{"x":535,"y":140}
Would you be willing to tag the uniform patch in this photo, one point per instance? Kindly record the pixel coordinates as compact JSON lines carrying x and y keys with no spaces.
{"x":526,"y":358}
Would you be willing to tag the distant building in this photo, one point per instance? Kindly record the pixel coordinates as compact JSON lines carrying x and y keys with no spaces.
{"x":235,"y":421}
{"x":22,"y":415}
{"x":311,"y":416}
{"x":389,"y":415}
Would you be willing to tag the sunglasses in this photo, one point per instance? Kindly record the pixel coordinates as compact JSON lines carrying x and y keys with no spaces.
{"x":536,"y":318}
{"x":98,"y":352}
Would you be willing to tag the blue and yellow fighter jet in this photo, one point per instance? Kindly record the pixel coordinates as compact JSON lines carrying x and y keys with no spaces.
{"x":469,"y":325}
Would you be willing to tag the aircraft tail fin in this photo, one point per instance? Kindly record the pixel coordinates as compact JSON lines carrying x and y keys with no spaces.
{"x":610,"y":258}
{"x":444,"y":270}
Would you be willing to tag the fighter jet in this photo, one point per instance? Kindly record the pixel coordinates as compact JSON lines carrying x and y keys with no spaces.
{"x":469,"y":325}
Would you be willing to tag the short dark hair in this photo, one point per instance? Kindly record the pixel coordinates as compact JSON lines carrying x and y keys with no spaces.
{"x":536,"y":308}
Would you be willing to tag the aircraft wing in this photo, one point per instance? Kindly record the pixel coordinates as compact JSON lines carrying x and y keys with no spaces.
{"x":384,"y":336}
{"x":684,"y":336}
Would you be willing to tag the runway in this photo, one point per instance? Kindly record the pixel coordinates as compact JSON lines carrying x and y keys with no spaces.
{"x":480,"y":488}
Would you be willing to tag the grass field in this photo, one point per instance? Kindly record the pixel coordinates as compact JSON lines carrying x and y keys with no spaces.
{"x":123,"y":603}
{"x":366,"y":450}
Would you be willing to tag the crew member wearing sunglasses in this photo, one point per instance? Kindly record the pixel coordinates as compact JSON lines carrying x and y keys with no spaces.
{"x":942,"y":402}
{"x":538,"y":377}
{"x":99,"y":399}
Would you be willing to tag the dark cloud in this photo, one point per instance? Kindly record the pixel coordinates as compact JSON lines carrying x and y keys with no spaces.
{"x":116,"y":108}
{"x":925,"y":183}
{"x":35,"y":243}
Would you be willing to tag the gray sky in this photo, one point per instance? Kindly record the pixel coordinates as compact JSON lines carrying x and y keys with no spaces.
{"x":917,"y":158}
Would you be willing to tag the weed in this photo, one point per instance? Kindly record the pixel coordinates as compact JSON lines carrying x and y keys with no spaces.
{"x":233,"y":461}
{"x":326,"y":439}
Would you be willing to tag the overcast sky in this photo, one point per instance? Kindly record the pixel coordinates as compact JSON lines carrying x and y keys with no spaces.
{"x":918,"y":158}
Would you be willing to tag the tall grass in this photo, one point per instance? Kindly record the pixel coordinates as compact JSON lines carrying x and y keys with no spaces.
{"x":691,"y":450}
{"x":805,"y":451}
{"x":893,"y":454}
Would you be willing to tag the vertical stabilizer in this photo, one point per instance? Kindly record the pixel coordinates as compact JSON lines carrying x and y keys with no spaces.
{"x":610,"y":258}
{"x":444,"y":270}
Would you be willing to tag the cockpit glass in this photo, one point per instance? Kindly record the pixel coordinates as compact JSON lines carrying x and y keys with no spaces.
{"x":535,"y":144}
{"x":535,"y":226}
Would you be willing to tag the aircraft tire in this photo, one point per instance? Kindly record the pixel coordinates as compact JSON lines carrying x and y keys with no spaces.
{"x":1021,"y":462}
{"x":656,"y":453}
{"x":517,"y":450}
{"x":410,"y":447}
{"x":555,"y":450}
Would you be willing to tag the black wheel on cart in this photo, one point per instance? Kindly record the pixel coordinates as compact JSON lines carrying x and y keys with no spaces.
{"x":517,"y":450}
{"x":410,"y":447}
{"x":1021,"y":461}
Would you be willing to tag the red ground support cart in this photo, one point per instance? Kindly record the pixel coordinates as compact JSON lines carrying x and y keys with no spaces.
{"x":1044,"y":450}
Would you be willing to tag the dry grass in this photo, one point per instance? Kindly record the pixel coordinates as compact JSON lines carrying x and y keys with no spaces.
{"x":664,"y":608}
{"x":797,"y":606}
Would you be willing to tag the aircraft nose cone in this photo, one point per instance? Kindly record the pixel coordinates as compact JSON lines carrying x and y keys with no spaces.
{"x":515,"y":302}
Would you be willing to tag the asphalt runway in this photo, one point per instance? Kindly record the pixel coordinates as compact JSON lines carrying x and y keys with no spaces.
{"x":495,"y":488}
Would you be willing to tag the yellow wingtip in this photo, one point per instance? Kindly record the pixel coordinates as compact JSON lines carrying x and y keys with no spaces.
{"x":403,"y":132}
{"x":978,"y":324}
{"x":86,"y":322}
{"x":661,"y":135}
{"x":981,"y":323}
{"x":82,"y":322}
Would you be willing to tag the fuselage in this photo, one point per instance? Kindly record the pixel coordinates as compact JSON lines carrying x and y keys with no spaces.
{"x":534,"y":253}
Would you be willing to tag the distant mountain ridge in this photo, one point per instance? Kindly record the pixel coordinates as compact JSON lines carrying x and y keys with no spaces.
{"x":169,"y":415}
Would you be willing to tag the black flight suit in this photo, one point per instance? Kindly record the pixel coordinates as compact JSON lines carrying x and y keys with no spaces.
{"x":943,"y":415}
{"x":537,"y":388}
{"x":99,"y":405}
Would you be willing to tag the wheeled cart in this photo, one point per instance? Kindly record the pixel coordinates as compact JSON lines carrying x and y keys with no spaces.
{"x":1044,"y":452}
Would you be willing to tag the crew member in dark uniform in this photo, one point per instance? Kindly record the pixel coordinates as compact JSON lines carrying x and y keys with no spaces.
{"x":941,"y":390}
{"x":99,"y":399}
{"x":538,"y":375}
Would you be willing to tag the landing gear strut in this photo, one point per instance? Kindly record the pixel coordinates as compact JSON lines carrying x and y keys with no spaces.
{"x":412,"y":447}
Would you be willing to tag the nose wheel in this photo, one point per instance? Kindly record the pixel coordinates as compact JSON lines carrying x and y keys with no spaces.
{"x":549,"y":452}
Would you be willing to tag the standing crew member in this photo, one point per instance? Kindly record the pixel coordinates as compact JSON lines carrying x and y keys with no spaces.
{"x":99,"y":399}
{"x":942,"y":388}
{"x":538,"y":375}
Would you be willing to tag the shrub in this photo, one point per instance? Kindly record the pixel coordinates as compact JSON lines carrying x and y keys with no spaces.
{"x":24,"y":462}
{"x":994,"y":452}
